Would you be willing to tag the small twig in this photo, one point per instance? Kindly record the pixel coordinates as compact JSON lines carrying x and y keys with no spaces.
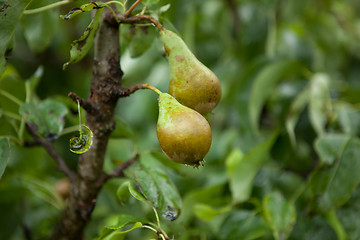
{"x":119,"y":171}
{"x":125,"y":92}
{"x":128,"y":12}
{"x":53,"y":153}
{"x":89,"y":108}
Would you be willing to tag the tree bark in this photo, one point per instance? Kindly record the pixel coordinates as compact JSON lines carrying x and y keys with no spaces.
{"x":106,"y":78}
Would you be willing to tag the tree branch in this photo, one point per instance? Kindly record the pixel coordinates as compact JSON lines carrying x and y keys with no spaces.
{"x":128,"y":12}
{"x":53,"y":153}
{"x":89,"y":108}
{"x":119,"y":171}
{"x":106,"y":79}
{"x":125,"y":92}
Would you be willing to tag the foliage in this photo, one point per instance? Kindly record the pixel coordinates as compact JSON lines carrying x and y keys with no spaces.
{"x":284,"y":161}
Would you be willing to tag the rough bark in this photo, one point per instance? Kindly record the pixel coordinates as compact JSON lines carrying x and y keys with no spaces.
{"x":84,"y":190}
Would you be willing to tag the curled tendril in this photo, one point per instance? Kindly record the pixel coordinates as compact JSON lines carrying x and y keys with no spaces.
{"x":82,"y":143}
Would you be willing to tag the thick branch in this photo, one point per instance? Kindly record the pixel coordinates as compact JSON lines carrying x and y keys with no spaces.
{"x":53,"y":153}
{"x":106,"y":78}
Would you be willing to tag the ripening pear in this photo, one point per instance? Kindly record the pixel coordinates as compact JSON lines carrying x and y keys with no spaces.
{"x":184,"y":134}
{"x":191,"y":82}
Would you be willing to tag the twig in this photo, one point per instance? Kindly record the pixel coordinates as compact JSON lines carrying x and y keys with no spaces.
{"x":89,"y":108}
{"x":53,"y":153}
{"x":110,"y":18}
{"x":128,"y":12}
{"x":119,"y":171}
{"x":125,"y":92}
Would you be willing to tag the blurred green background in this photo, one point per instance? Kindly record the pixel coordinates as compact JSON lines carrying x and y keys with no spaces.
{"x":285,"y":157}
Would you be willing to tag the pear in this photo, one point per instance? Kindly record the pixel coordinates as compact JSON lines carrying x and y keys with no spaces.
{"x":183,"y":133}
{"x":191,"y":82}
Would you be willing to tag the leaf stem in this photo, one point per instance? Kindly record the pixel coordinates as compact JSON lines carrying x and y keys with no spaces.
{"x":69,"y":130}
{"x":47,"y":7}
{"x":12,"y":115}
{"x":11,"y":97}
{"x":117,"y":2}
{"x":148,"y":86}
{"x":128,"y":12}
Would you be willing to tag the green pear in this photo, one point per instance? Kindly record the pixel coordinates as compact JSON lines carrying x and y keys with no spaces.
{"x":191,"y":82}
{"x":184,"y":134}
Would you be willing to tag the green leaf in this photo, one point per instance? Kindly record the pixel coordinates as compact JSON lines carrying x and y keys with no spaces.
{"x":206,"y":212}
{"x":320,"y":107}
{"x":4,"y":154}
{"x":80,"y":47}
{"x":83,"y":8}
{"x":123,"y":193}
{"x":241,"y":170}
{"x":137,"y":38}
{"x":279,"y":214}
{"x":156,"y":186}
{"x":349,"y":215}
{"x":244,"y":225}
{"x":264,"y":83}
{"x":35,"y":78}
{"x":333,"y":186}
{"x":47,"y":117}
{"x":10,"y":14}
{"x":330,"y":146}
{"x":348,"y":117}
{"x":43,"y":190}
{"x":123,"y":221}
{"x":297,"y":106}
{"x":39,"y":29}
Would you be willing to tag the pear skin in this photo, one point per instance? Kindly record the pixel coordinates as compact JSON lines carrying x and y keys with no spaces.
{"x":184,"y":134}
{"x":191,"y":82}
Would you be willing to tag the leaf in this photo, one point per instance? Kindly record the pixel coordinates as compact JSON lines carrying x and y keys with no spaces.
{"x":333,"y":186}
{"x":10,"y":14}
{"x":244,"y":225}
{"x":140,"y":39}
{"x":82,"y":143}
{"x":43,"y":190}
{"x":35,"y":78}
{"x":39,"y":29}
{"x":123,"y":220}
{"x":156,"y":187}
{"x":241,"y":170}
{"x":4,"y":154}
{"x":83,"y":8}
{"x":80,"y":47}
{"x":348,"y":117}
{"x":279,"y":214}
{"x":320,"y":107}
{"x":123,"y":193}
{"x":264,"y":83}
{"x":330,"y":146}
{"x":206,"y":212}
{"x":349,"y":215}
{"x":47,"y":117}
{"x":297,"y":106}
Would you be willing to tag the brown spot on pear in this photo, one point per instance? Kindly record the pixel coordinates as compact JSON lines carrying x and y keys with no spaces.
{"x":184,"y":134}
{"x":191,"y":82}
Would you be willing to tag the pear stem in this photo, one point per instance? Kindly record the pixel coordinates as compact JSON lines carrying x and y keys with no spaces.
{"x":152,"y":88}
